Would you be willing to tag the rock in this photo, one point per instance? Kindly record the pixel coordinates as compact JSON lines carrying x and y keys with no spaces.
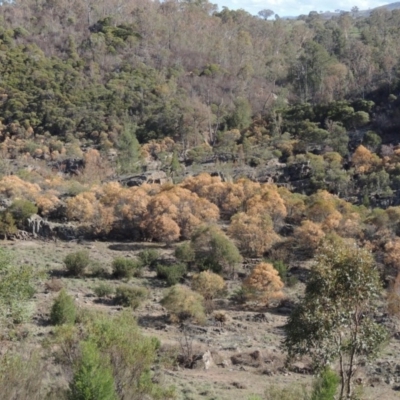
{"x":69,"y":166}
{"x":159,"y":177}
{"x":204,"y":361}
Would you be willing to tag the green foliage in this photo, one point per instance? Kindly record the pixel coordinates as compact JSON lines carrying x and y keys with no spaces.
{"x":185,"y":252}
{"x":22,"y":209}
{"x":77,"y":262}
{"x":183,"y":303}
{"x":282,"y":269}
{"x":131,"y":355}
{"x":21,"y":376}
{"x":17,"y":286}
{"x":125,"y":268}
{"x":334,"y":318}
{"x":325,"y":386}
{"x":129,"y":296}
{"x":93,"y":378}
{"x":7,"y":224}
{"x":148,"y":256}
{"x":214,"y":250}
{"x":63,"y":310}
{"x":173,"y":274}
{"x":372,"y":140}
{"x":129,"y":150}
{"x":103,"y":289}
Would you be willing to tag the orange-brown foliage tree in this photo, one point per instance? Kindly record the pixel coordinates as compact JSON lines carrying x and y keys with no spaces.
{"x":264,"y":283}
{"x":254,"y":234}
{"x":364,"y":160}
{"x":308,"y":236}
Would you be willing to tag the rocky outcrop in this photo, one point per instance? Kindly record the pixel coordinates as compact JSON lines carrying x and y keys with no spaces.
{"x":39,"y":227}
{"x":69,"y":166}
{"x":159,"y":177}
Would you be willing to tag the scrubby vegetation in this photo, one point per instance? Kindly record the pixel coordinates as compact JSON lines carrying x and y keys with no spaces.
{"x":254,"y":163}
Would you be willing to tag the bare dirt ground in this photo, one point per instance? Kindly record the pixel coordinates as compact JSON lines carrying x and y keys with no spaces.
{"x":246,"y":354}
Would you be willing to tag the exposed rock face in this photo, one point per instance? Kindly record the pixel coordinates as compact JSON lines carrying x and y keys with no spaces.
{"x":40,"y":227}
{"x":70,"y":166}
{"x":159,"y":177}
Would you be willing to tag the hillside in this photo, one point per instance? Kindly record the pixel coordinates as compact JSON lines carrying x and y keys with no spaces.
{"x":178,"y":182}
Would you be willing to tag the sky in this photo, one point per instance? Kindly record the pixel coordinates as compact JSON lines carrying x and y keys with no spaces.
{"x":293,"y":8}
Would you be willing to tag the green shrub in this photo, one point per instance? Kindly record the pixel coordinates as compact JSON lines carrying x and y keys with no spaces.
{"x":77,"y":262}
{"x":131,"y":354}
{"x":128,"y":296}
{"x":325,"y":386}
{"x":125,"y":268}
{"x":173,"y":274}
{"x":214,"y":250}
{"x":148,"y":256}
{"x":7,"y":224}
{"x":93,"y":378}
{"x":282,"y":269}
{"x":22,"y":209}
{"x":103,"y":290}
{"x":183,"y":303}
{"x":98,"y":270}
{"x":185,"y":252}
{"x":63,"y":310}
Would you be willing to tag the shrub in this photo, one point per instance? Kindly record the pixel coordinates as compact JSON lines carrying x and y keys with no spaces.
{"x":103,"y":290}
{"x":173,"y":274}
{"x":131,"y":354}
{"x":183,"y":303}
{"x":22,"y":209}
{"x":208,"y":284}
{"x":325,"y":386}
{"x":128,"y":296}
{"x":7,"y":224}
{"x":93,"y":378}
{"x":22,"y":376}
{"x":282,"y":269}
{"x":185,"y":252}
{"x":63,"y":310}
{"x":125,"y":267}
{"x":77,"y":262}
{"x":148,"y":257}
{"x":214,"y":250}
{"x":264,"y":283}
{"x":98,"y":270}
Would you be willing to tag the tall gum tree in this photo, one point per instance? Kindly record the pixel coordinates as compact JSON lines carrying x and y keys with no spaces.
{"x":335,"y":319}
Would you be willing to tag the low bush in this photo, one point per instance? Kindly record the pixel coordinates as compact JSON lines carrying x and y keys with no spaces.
{"x":93,"y":377}
{"x":148,"y":257}
{"x":77,"y":262}
{"x":282,"y":269}
{"x":173,"y":274}
{"x":22,"y":209}
{"x":183,"y":303}
{"x":208,"y":284}
{"x":125,"y":268}
{"x":103,"y":289}
{"x":185,"y":252}
{"x":63,"y":310}
{"x":325,"y":385}
{"x":98,"y":270}
{"x":128,"y":296}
